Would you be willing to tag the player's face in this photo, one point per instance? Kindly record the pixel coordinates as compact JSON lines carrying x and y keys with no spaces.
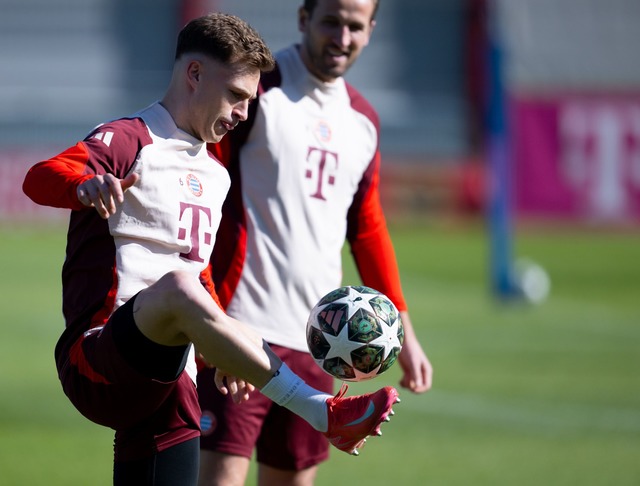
{"x":221,"y":98}
{"x":334,"y":35}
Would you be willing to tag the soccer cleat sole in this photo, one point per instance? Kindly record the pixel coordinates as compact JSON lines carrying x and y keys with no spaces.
{"x":377,"y":432}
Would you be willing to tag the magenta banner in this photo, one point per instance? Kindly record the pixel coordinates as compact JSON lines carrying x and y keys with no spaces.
{"x":577,"y":157}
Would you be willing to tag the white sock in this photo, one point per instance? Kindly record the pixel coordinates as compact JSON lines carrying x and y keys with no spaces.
{"x":290,"y":391}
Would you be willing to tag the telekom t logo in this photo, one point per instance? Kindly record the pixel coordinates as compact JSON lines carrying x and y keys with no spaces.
{"x":327,"y":165}
{"x":600,"y":154}
{"x":194,"y":235}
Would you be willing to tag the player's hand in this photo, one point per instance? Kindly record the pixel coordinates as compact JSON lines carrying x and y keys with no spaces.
{"x":237,"y":387}
{"x":417,"y":370}
{"x":105,"y":192}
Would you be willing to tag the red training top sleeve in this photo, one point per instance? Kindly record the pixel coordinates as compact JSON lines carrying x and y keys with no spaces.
{"x":54,"y":182}
{"x":370,"y":241}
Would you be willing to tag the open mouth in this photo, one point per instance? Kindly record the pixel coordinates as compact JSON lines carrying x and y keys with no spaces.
{"x":335,"y":53}
{"x":228,"y":125}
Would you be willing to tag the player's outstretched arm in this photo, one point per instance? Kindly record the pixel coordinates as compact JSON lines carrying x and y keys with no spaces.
{"x":63,"y":181}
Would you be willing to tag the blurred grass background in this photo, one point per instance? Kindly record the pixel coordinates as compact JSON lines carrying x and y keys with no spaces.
{"x":523,"y":394}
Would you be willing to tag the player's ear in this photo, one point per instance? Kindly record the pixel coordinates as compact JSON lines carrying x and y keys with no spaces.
{"x":303,"y":19}
{"x":194,"y":70}
{"x":372,"y":24}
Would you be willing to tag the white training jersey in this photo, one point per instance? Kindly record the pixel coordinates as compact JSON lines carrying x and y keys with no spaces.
{"x":169,"y":218}
{"x":301,"y":167}
{"x":167,"y":222}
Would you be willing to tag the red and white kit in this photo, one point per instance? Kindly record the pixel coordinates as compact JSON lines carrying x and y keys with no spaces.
{"x":305,"y":172}
{"x":167,"y":222}
{"x":306,"y":176}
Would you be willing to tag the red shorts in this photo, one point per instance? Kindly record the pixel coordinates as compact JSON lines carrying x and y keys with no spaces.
{"x":281,"y":438}
{"x":148,"y":414}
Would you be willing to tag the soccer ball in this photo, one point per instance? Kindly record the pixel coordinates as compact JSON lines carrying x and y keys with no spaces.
{"x":355,"y":333}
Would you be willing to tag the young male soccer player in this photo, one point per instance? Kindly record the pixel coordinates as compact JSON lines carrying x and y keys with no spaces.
{"x":305,"y":171}
{"x":146,"y":198}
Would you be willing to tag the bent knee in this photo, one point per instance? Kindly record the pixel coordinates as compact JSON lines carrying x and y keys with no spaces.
{"x":177,"y":283}
{"x":172,"y":292}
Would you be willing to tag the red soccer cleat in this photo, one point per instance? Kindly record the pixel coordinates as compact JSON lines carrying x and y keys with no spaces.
{"x":353,"y":419}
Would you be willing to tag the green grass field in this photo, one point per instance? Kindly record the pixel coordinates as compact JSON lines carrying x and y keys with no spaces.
{"x":523,"y":395}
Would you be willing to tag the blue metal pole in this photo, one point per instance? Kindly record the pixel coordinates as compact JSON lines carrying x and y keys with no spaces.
{"x":499,"y":167}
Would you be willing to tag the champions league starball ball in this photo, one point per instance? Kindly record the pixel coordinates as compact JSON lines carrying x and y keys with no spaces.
{"x":355,"y":333}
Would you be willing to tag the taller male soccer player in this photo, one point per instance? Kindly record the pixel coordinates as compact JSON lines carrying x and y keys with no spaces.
{"x":305,"y":175}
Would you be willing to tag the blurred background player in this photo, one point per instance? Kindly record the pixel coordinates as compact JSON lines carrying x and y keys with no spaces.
{"x":305,"y":174}
{"x":146,"y":199}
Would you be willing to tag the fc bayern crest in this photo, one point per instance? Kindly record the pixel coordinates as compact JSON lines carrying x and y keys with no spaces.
{"x":323,"y":131}
{"x":194,"y":185}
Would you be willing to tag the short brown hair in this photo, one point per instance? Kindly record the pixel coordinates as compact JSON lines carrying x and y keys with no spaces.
{"x":310,"y":5}
{"x":226,"y":38}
